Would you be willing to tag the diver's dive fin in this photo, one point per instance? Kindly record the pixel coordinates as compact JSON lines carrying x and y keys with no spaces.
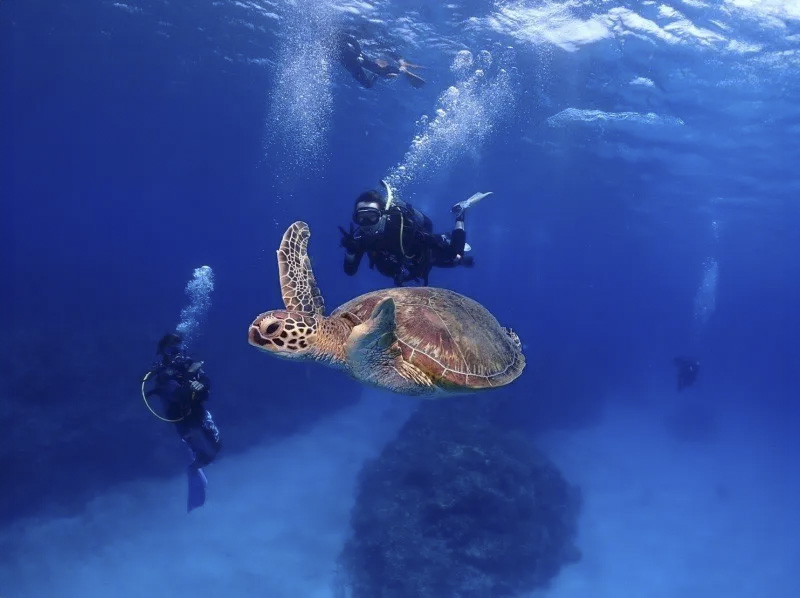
{"x":462,"y":206}
{"x":197,"y":488}
{"x":404,"y":64}
{"x":414,"y":80}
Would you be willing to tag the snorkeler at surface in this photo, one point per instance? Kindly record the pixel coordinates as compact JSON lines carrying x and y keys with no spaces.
{"x":399,"y":240}
{"x":687,"y":371}
{"x":183,"y":387}
{"x":367,"y":70}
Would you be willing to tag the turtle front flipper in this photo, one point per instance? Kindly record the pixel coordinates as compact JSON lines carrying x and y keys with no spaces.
{"x":298,"y":286}
{"x":374,"y":355}
{"x":378,"y":332}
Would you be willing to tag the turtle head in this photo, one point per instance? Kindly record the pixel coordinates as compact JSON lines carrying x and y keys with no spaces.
{"x":287,"y":334}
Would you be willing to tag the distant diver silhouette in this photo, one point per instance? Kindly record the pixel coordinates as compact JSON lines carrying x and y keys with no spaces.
{"x":687,"y":371}
{"x":367,"y":70}
{"x":183,"y":387}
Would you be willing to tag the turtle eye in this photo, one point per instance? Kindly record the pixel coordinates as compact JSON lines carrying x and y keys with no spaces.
{"x":272,"y":328}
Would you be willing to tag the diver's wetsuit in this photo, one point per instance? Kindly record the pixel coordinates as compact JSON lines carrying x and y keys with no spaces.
{"x":412,"y":259}
{"x":447,"y":251}
{"x":367,"y":70}
{"x":181,"y":402}
{"x":355,"y":62}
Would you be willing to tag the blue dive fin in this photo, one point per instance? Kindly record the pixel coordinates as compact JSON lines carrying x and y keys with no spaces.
{"x":197,"y":488}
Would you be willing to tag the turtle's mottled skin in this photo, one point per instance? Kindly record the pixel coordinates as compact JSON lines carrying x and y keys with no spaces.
{"x":417,"y":341}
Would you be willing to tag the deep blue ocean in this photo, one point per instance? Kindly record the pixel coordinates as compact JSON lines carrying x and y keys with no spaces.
{"x":643,"y":159}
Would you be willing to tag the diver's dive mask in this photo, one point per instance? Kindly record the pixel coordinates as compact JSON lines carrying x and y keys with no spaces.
{"x":366,"y":215}
{"x":171,"y":353}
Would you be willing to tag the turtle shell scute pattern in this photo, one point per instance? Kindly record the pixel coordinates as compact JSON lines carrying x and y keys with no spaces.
{"x":450,"y":337}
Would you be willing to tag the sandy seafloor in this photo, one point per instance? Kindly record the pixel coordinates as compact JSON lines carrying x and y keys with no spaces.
{"x":662,"y":517}
{"x":666,"y":517}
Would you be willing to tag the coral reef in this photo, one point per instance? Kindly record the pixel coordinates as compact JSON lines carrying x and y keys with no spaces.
{"x":456,"y":506}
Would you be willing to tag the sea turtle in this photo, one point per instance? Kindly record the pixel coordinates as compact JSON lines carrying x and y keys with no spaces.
{"x":413,"y":340}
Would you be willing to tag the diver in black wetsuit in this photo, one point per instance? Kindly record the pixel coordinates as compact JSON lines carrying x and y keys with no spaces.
{"x":399,"y":240}
{"x":367,"y":70}
{"x":687,"y":371}
{"x":183,"y":387}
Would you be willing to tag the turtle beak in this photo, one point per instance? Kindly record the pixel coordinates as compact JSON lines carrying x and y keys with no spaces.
{"x":254,"y":336}
{"x":280,"y":334}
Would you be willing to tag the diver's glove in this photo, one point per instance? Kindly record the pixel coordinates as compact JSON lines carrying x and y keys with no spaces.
{"x":196,"y":386}
{"x":348,"y":241}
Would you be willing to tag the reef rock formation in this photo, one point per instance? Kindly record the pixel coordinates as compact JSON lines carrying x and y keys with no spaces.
{"x":458,"y":507}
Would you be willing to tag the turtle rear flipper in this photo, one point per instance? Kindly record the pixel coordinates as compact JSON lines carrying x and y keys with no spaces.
{"x":298,"y":285}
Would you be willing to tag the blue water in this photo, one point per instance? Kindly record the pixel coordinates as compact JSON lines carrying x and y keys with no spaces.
{"x":643,"y":162}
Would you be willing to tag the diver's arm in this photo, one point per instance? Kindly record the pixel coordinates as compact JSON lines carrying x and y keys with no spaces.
{"x":205,"y":382}
{"x":352,"y":261}
{"x":354,"y":250}
{"x":198,"y":391}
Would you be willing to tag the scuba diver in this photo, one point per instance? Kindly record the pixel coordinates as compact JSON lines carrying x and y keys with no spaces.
{"x":367,"y":70}
{"x":399,"y":240}
{"x":687,"y":371}
{"x":183,"y":387}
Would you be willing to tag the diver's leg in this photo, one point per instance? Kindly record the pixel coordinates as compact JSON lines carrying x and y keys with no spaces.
{"x":204,"y":443}
{"x":458,"y":238}
{"x":426,"y":273}
{"x":204,"y":440}
{"x":196,"y":481}
{"x":398,"y":278}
